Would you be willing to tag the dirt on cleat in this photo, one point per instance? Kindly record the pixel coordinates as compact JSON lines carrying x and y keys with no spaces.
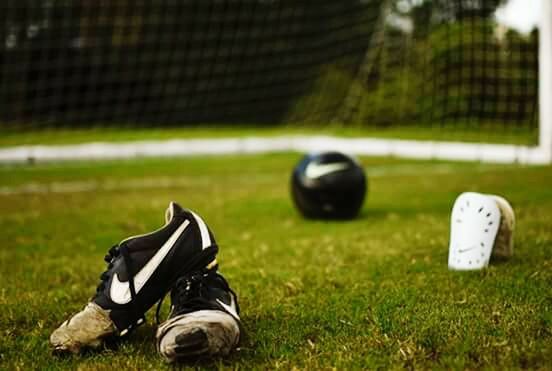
{"x":86,"y":329}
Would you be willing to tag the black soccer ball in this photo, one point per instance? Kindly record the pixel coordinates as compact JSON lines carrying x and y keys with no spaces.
{"x":329,"y":185}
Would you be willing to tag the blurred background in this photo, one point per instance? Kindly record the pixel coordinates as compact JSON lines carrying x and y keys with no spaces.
{"x":152,"y":77}
{"x":431,"y":69}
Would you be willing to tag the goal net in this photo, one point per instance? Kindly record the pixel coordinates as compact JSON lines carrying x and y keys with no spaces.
{"x":421,"y":70}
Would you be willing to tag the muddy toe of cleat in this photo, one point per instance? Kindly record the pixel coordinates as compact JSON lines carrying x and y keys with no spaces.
{"x":86,"y":329}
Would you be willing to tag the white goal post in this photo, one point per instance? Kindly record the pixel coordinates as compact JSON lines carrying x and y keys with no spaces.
{"x":540,"y":154}
{"x":545,"y":83}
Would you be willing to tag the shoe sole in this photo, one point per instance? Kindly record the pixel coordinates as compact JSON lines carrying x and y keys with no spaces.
{"x":198,"y":334}
{"x":193,"y":344}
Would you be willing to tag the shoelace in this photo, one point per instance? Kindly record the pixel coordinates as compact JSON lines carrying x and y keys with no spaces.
{"x":109,"y":258}
{"x":114,"y":252}
{"x":188,"y":293}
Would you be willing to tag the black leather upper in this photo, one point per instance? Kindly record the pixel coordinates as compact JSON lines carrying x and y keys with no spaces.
{"x":131,"y":255}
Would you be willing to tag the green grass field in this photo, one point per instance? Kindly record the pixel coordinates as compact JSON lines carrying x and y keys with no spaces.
{"x":370,"y":293}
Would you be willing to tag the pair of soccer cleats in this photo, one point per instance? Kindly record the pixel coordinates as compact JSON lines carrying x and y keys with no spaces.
{"x":179,"y":258}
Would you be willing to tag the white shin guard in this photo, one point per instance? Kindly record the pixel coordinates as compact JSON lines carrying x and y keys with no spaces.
{"x":481,"y":226}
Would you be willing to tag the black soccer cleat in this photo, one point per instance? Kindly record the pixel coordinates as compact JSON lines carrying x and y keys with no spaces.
{"x":142,"y":269}
{"x":204,"y":318}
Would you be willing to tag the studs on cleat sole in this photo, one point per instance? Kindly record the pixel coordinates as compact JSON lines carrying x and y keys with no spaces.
{"x":191,"y":344}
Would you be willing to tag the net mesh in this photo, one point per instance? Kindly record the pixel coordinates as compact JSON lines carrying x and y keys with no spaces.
{"x":395,"y":65}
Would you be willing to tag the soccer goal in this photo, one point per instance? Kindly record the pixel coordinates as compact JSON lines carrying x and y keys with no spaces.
{"x":443,"y":79}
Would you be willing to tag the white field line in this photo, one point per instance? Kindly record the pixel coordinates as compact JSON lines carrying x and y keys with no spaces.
{"x":496,"y":153}
{"x":186,"y":181}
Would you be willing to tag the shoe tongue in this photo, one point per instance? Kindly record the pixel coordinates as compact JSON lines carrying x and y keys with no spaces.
{"x":171,"y":211}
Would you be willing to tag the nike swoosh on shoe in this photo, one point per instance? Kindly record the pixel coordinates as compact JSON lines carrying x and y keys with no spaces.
{"x":229,"y":308}
{"x":120,"y":291}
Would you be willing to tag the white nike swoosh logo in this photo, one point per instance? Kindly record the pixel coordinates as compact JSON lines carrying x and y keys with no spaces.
{"x":465,"y":250}
{"x":230,"y":309}
{"x":205,"y":238}
{"x":315,"y":170}
{"x":120,"y":291}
